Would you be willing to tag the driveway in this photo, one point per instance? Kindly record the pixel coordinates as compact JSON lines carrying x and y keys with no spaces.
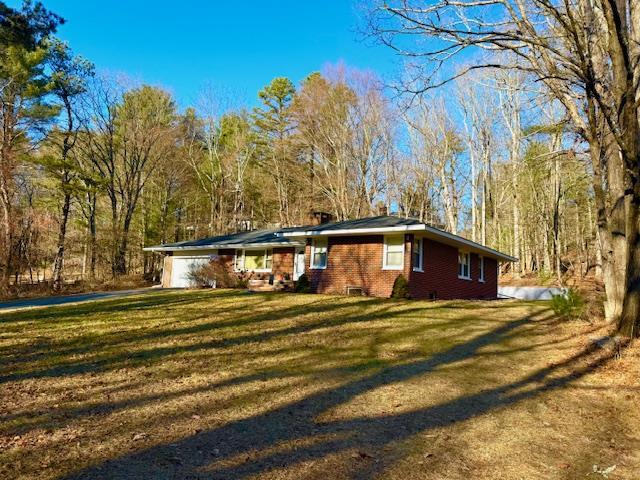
{"x":76,"y":298}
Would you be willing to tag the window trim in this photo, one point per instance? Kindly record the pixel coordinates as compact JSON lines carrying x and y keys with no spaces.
{"x":420,"y":242}
{"x":468,"y":263}
{"x":243,"y":256}
{"x":385,"y":250}
{"x":314,"y":247}
{"x":481,"y":268}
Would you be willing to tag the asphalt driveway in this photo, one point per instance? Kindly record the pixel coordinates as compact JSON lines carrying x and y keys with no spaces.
{"x":76,"y":298}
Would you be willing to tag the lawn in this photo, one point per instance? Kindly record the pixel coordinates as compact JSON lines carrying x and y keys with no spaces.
{"x":224,"y":384}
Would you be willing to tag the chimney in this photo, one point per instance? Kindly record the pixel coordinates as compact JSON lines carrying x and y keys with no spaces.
{"x":318,"y":218}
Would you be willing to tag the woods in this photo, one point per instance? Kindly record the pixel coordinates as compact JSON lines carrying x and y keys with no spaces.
{"x":536,"y":154}
{"x":586,"y":57}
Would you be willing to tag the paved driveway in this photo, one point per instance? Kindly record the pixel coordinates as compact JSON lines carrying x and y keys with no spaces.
{"x":77,"y":298}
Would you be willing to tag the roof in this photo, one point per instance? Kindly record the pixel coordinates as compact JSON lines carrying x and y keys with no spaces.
{"x":294,"y":236}
{"x":389,"y":224}
{"x":255,"y":238}
{"x":381,"y":221}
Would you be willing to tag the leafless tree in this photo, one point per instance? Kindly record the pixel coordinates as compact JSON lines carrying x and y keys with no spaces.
{"x":587,"y":54}
{"x":437,"y":145}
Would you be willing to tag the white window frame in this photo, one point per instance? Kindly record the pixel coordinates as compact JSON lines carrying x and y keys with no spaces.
{"x":240,"y":266}
{"x":481,"y":267}
{"x":385,"y":250}
{"x":315,"y":248}
{"x":468,"y":264}
{"x":420,"y":246}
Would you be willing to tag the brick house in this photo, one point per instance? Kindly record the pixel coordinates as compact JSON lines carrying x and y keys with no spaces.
{"x":355,"y":256}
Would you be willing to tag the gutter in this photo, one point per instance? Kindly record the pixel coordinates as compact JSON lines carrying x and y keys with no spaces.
{"x":168,"y":248}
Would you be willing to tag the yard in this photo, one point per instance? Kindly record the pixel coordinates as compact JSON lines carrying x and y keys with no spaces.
{"x":224,"y":384}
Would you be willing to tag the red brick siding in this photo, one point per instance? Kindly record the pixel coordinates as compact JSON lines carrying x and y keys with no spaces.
{"x":282,"y":263}
{"x":355,"y":261}
{"x":440,"y":265}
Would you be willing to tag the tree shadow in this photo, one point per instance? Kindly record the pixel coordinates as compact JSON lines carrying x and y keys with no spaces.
{"x":129,"y":352}
{"x":260,"y":443}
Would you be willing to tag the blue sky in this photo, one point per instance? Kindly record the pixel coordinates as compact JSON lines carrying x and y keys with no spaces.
{"x":238,"y":46}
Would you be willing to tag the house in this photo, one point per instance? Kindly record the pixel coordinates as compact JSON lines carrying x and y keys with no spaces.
{"x":354,"y":256}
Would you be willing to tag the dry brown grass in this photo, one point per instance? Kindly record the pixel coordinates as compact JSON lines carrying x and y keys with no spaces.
{"x":222,"y":384}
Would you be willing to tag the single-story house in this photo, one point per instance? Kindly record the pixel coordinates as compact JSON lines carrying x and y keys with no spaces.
{"x":354,"y":256}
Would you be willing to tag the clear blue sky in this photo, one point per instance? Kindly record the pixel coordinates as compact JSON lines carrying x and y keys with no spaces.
{"x":237,"y":45}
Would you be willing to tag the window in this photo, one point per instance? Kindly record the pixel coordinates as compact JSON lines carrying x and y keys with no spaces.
{"x":464,"y":265}
{"x":417,"y":255}
{"x":481,"y":263}
{"x":253,"y":260}
{"x":393,"y":255}
{"x":319,"y":253}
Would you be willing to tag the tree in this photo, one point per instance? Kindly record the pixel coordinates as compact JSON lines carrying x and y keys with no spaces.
{"x":143,"y":124}
{"x":24,"y":112}
{"x":274,"y":123}
{"x":436,"y":145}
{"x":67,"y":81}
{"x":586,"y":54}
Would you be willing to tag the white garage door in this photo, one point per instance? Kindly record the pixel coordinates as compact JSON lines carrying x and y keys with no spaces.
{"x":180,"y":268}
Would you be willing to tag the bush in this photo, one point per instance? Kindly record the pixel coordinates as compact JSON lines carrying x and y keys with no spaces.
{"x":203,"y":276}
{"x":571,"y":305}
{"x":400,"y":288}
{"x":217,"y":274}
{"x":303,"y":285}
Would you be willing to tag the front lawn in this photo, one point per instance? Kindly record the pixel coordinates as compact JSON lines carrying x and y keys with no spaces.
{"x":224,"y":384}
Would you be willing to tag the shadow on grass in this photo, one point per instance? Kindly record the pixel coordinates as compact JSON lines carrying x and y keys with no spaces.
{"x":258,"y":444}
{"x":129,"y":353}
{"x":151,"y":298}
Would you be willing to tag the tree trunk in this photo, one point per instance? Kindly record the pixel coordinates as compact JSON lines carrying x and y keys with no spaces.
{"x":120,"y":266}
{"x":6,"y":235}
{"x":93,"y":241}
{"x":629,"y":323}
{"x":58,"y":264}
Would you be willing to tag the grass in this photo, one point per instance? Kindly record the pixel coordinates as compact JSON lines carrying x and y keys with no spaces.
{"x":223,"y":384}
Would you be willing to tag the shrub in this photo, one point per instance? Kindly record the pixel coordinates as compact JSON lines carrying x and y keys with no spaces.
{"x":545,"y":277}
{"x":570,"y":305}
{"x":202,"y":276}
{"x":303,"y":285}
{"x":400,"y":288}
{"x":216,"y":273}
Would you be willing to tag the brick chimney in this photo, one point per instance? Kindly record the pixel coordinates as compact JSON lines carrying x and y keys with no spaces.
{"x":318,"y":218}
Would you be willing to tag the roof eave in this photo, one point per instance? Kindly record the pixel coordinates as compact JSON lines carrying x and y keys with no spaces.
{"x":352,"y":231}
{"x":168,"y":248}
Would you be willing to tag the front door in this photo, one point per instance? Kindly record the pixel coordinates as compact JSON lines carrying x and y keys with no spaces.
{"x":298,"y":263}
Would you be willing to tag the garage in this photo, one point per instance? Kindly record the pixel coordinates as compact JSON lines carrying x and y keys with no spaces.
{"x":264,"y":253}
{"x":181,"y":265}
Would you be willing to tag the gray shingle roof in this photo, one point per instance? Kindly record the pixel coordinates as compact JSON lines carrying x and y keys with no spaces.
{"x":242,"y":239}
{"x":279,"y":237}
{"x":380,"y":221}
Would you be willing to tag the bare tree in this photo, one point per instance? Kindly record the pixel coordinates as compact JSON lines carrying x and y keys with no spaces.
{"x":437,"y":145}
{"x":479,"y":105}
{"x":587,"y":54}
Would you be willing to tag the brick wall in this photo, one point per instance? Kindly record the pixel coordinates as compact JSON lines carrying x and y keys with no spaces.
{"x":440,"y":276}
{"x":357,"y":261}
{"x":282,"y":263}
